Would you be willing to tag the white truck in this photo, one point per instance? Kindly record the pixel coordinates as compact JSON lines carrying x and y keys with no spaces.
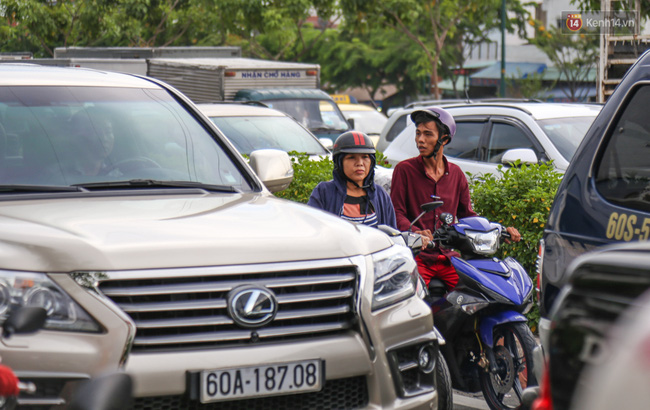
{"x":219,"y":79}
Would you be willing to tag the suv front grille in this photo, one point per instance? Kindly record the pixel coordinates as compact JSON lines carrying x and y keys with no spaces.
{"x":188,"y":307}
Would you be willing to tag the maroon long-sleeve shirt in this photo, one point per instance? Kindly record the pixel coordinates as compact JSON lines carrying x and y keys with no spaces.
{"x":412,"y":187}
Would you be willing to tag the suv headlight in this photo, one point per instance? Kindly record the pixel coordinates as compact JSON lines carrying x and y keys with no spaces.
{"x":36,"y":289}
{"x":395,"y":276}
{"x":484,"y":243}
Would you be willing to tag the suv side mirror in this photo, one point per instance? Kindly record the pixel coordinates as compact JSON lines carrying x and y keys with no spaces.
{"x":351,"y":123}
{"x":525,"y":155}
{"x":273,"y":167}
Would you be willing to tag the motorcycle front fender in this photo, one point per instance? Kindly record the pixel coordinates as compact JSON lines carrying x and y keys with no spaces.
{"x":486,"y":327}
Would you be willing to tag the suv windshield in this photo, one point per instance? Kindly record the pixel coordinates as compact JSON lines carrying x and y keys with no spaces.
{"x":313,"y":114}
{"x":58,"y":136}
{"x":252,"y":133}
{"x":566,"y":133}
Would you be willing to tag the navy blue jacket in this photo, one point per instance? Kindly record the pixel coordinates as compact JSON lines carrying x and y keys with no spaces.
{"x":330,"y":196}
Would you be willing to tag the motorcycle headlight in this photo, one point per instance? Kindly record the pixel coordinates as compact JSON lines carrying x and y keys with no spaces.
{"x":395,"y":276}
{"x":484,"y":243}
{"x":36,"y":289}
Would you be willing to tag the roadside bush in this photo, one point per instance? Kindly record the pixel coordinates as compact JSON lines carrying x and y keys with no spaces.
{"x":522,"y":198}
{"x":307,"y":174}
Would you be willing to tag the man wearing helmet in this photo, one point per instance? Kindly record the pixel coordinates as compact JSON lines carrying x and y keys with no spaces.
{"x":420,"y":179}
{"x":352,"y":194}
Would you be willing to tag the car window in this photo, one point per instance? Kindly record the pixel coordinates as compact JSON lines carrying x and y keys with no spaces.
{"x":313,"y":114}
{"x":252,"y":133}
{"x":332,"y":117}
{"x":623,"y":173}
{"x":504,"y":137}
{"x":566,"y":133}
{"x":75,"y":135}
{"x":397,"y":127}
{"x":466,"y":141}
{"x":370,"y":122}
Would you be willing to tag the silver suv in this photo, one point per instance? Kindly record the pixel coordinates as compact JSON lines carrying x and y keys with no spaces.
{"x":156,"y":249}
{"x":491,"y":133}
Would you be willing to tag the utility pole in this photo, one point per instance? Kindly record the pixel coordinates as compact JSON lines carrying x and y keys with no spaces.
{"x":502,"y":83}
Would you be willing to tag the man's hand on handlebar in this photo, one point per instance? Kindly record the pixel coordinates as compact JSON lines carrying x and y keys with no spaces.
{"x":513,"y":234}
{"x":427,"y":237}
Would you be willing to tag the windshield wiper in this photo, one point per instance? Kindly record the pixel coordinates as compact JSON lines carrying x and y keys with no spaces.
{"x":150,"y":183}
{"x":41,"y":188}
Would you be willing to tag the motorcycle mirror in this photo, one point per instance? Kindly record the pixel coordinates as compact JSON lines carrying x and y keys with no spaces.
{"x":26,"y":319}
{"x":427,"y":207}
{"x":430,"y":206}
{"x":447,"y":218}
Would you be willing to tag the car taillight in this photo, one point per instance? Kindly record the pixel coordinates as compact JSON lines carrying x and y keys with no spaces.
{"x":544,"y":401}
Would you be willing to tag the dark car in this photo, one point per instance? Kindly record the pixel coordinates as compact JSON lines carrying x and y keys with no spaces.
{"x":604,"y":291}
{"x":604,"y":196}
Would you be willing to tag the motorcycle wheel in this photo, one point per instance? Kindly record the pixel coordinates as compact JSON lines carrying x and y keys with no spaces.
{"x":443,"y":384}
{"x":513,"y":350}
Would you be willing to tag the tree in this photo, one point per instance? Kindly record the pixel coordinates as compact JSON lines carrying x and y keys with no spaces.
{"x":275,"y":29}
{"x":44,"y":25}
{"x":531,"y":86}
{"x":366,"y":59}
{"x":575,"y":56}
{"x":430,"y":24}
{"x":594,"y":5}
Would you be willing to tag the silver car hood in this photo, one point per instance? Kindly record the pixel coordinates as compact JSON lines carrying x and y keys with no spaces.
{"x":121,"y":233}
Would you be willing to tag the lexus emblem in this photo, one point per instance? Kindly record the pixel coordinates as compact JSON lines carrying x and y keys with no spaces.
{"x":252,"y":306}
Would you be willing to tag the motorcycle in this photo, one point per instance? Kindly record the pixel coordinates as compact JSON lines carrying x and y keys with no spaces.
{"x":489,"y":346}
{"x":111,"y":391}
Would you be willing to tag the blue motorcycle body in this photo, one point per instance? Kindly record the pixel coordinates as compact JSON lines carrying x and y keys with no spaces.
{"x":491,"y":293}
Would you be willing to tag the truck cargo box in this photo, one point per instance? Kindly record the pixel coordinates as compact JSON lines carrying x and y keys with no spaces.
{"x":219,"y":79}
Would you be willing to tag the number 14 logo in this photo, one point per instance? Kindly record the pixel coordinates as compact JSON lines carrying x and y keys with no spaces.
{"x":574,"y":22}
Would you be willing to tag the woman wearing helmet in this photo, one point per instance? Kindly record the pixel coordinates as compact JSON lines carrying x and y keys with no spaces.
{"x":419,"y":179}
{"x":352,"y":194}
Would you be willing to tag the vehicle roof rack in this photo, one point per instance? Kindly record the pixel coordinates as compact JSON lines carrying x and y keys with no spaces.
{"x":470,"y":101}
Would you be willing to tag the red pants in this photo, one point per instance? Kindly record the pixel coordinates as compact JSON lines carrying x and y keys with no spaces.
{"x":442,"y":269}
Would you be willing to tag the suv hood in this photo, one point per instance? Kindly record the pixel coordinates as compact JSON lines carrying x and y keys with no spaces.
{"x":121,"y":233}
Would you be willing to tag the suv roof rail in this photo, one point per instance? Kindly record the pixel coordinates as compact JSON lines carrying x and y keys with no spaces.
{"x":434,"y":102}
{"x":471,"y":101}
{"x":500,"y":99}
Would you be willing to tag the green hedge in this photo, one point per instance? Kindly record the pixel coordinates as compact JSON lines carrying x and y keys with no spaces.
{"x":307,"y":174}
